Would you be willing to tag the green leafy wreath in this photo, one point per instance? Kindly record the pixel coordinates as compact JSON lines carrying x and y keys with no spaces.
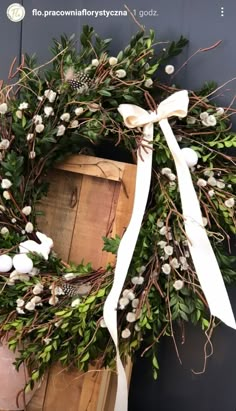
{"x":69,"y":105}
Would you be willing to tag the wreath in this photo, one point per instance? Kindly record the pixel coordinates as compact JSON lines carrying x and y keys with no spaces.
{"x":52,"y":309}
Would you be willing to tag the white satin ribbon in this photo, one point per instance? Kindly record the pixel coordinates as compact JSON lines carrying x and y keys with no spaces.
{"x":203,"y":257}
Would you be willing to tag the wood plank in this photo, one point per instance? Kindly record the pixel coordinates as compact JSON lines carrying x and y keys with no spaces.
{"x":93,"y":166}
{"x":63,"y":389}
{"x":37,"y":402}
{"x":80,"y":209}
{"x":125,"y":200}
{"x":60,"y":209}
{"x":92,"y":220}
{"x":90,"y":390}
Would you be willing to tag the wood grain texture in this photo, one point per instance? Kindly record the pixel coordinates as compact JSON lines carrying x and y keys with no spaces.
{"x":88,"y":198}
{"x":94,"y":166}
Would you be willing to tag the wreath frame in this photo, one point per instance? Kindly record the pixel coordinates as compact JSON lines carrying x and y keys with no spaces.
{"x":76,"y":100}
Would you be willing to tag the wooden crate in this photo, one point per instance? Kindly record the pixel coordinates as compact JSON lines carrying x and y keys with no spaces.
{"x":89,"y":198}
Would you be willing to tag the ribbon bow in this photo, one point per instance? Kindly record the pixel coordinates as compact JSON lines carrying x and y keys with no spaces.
{"x":203,"y":257}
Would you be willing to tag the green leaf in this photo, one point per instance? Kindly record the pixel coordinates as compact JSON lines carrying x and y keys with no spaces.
{"x":85,"y":357}
{"x":105,"y":93}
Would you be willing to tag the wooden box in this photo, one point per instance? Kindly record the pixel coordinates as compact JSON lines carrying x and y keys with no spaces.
{"x":89,"y":198}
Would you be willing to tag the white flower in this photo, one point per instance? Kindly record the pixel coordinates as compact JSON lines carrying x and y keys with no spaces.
{"x":61,"y":130}
{"x":47,"y":340}
{"x":204,"y":223}
{"x":148,"y":83}
{"x":178,"y":284}
{"x":38,"y":289}
{"x":162,"y":244}
{"x":32,"y":155}
{"x":103,"y":324}
{"x":184,"y":264}
{"x":29,"y":228}
{"x":30,"y":136}
{"x":14,"y":275}
{"x":191,"y":120}
{"x":137,"y":327}
{"x":113,"y":61}
{"x":19,"y":114}
{"x":35,"y":271}
{"x":166,"y":268}
{"x":220,"y":184}
{"x":219,"y":111}
{"x":4,"y":231}
{"x":23,"y":106}
{"x":39,"y":128}
{"x":211,"y":121}
{"x":131,"y":317}
{"x":174,"y":263}
{"x":3,"y":108}
{"x":20,"y":302}
{"x":13,"y":220}
{"x":171,"y":176}
{"x":26,"y":210}
{"x":120,"y":73}
{"x":69,"y":276}
{"x":130,"y":295}
{"x":201,"y":182}
{"x":204,"y":116}
{"x":53,"y":300}
{"x":30,"y":306}
{"x":74,"y":124}
{"x":140,"y":280}
{"x":50,"y":95}
{"x":168,"y":249}
{"x":166,"y":171}
{"x":93,"y":107}
{"x":211,"y":193}
{"x":126,"y":292}
{"x":56,"y":290}
{"x":6,"y":183}
{"x":163,"y":230}
{"x":169,"y":69}
{"x":4,"y":144}
{"x":135,"y":303}
{"x":160,"y":223}
{"x":65,"y":117}
{"x":78,"y":111}
{"x":135,"y":280}
{"x":212,"y":181}
{"x":124,"y":301}
{"x":208,"y":120}
{"x":48,"y":110}
{"x":19,"y":310}
{"x":37,"y":119}
{"x":76,"y":302}
{"x":230,"y":202}
{"x":95,"y":62}
{"x":36,"y":300}
{"x":126,"y":333}
{"x":6,"y":195}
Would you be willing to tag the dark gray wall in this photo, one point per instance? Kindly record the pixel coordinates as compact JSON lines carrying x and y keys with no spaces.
{"x":201,"y":22}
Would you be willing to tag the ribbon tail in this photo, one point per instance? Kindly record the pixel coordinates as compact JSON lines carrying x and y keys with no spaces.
{"x":124,"y":257}
{"x":200,"y":248}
